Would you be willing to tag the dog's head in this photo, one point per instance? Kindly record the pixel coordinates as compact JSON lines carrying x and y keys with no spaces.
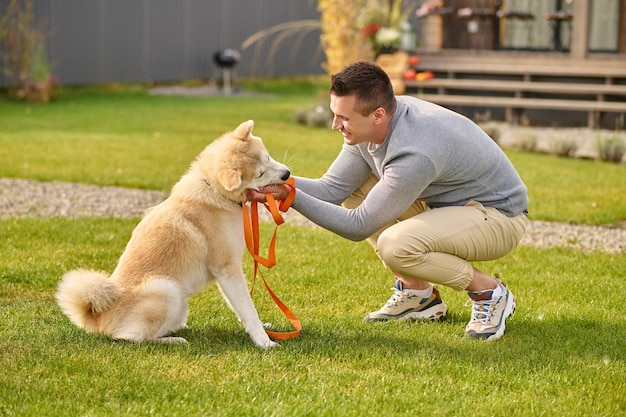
{"x":238,"y":161}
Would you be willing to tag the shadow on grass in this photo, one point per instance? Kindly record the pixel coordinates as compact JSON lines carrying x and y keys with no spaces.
{"x":526,"y":342}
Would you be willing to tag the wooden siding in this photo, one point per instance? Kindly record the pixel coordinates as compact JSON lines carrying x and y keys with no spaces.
{"x":101,"y":41}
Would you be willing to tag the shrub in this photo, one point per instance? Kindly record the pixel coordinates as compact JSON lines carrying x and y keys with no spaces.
{"x":25,"y":59}
{"x":341,"y":39}
{"x":563,"y":147}
{"x":610,"y":148}
{"x":316,"y":116}
{"x":525,"y":141}
{"x":491,"y":130}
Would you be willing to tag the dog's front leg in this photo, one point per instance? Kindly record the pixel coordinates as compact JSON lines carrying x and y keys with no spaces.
{"x":235,"y":291}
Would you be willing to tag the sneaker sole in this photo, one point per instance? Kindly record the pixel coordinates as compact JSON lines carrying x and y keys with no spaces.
{"x":508,"y":312}
{"x":436,"y":312}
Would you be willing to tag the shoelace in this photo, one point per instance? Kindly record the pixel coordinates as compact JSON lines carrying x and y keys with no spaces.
{"x":484,"y":308}
{"x":399,"y":297}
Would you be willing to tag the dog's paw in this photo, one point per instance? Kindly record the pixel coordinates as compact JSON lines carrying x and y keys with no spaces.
{"x":173,"y":340}
{"x":269,"y":344}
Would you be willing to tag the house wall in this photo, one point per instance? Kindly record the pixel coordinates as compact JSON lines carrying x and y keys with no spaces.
{"x":102,"y":41}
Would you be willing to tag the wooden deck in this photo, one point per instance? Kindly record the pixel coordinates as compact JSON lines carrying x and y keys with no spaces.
{"x":518,"y":82}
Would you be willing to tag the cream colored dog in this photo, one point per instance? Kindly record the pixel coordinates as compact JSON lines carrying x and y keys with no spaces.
{"x":193,"y":238}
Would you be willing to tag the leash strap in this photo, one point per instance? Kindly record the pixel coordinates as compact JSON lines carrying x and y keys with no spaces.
{"x":252,"y":236}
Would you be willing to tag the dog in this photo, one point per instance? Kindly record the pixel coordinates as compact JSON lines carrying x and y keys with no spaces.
{"x":192,"y":239}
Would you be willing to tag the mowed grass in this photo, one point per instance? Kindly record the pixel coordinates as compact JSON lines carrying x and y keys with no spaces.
{"x":135,"y":140}
{"x":131,"y":139}
{"x":563,"y":353}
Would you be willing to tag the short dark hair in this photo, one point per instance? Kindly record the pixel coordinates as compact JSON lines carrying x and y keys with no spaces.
{"x":369,"y":82}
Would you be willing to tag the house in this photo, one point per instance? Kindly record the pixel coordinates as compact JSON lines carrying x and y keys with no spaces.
{"x":543,"y":61}
{"x":525,"y":61}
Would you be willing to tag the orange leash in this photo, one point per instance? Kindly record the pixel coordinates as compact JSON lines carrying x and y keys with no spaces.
{"x":252,"y":235}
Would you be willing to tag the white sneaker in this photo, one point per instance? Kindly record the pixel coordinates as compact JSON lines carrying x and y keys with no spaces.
{"x":406,"y":306}
{"x":489,"y":316}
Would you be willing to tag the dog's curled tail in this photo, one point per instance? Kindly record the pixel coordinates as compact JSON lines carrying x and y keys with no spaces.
{"x":84,"y":294}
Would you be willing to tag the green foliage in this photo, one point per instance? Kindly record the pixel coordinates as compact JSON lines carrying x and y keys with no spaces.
{"x":25,"y":60}
{"x":492,"y":130}
{"x":563,"y":148}
{"x":562,"y":354}
{"x":525,"y":141}
{"x":610,"y":148}
{"x":316,"y":116}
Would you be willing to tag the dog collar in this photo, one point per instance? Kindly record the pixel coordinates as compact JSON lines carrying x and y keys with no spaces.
{"x":208,"y":184}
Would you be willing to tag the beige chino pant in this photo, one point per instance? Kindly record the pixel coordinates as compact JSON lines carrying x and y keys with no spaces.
{"x":436,"y":245}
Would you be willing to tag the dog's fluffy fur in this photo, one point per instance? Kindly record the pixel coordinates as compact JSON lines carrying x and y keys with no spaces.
{"x":193,"y":238}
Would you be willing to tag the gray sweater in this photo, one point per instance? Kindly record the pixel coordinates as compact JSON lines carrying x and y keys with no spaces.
{"x":431,"y":154}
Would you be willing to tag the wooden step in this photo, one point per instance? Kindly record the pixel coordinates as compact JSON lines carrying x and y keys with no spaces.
{"x":524,"y":102}
{"x":515,"y":105}
{"x":519,"y":81}
{"x":519,"y":86}
{"x":507,"y":68}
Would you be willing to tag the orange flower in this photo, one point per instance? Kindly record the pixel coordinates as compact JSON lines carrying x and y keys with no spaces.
{"x":370,"y":30}
{"x":423,"y":76}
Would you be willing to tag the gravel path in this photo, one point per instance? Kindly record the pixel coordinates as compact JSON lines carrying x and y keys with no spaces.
{"x":25,"y":198}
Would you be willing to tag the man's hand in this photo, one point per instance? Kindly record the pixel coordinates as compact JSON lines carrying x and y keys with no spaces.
{"x":278,"y":191}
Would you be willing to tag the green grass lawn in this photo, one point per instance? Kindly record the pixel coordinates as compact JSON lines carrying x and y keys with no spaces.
{"x":563,"y":354}
{"x":131,"y":139}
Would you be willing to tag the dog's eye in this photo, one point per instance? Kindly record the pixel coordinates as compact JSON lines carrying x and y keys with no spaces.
{"x":261,"y":174}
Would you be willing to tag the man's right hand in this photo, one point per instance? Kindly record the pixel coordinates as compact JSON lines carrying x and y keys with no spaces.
{"x":278,"y":191}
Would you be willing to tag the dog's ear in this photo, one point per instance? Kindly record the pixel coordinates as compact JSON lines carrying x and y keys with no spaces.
{"x":229,"y":178}
{"x":244,"y":130}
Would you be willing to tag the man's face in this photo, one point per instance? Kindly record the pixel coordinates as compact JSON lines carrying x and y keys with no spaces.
{"x":354,"y":127}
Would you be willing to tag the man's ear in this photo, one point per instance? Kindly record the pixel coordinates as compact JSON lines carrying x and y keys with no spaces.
{"x":379,"y":115}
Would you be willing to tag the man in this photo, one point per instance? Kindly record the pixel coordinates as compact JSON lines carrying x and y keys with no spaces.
{"x":428,"y":189}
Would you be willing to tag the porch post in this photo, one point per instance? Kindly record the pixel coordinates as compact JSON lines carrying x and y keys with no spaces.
{"x":580,"y":29}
